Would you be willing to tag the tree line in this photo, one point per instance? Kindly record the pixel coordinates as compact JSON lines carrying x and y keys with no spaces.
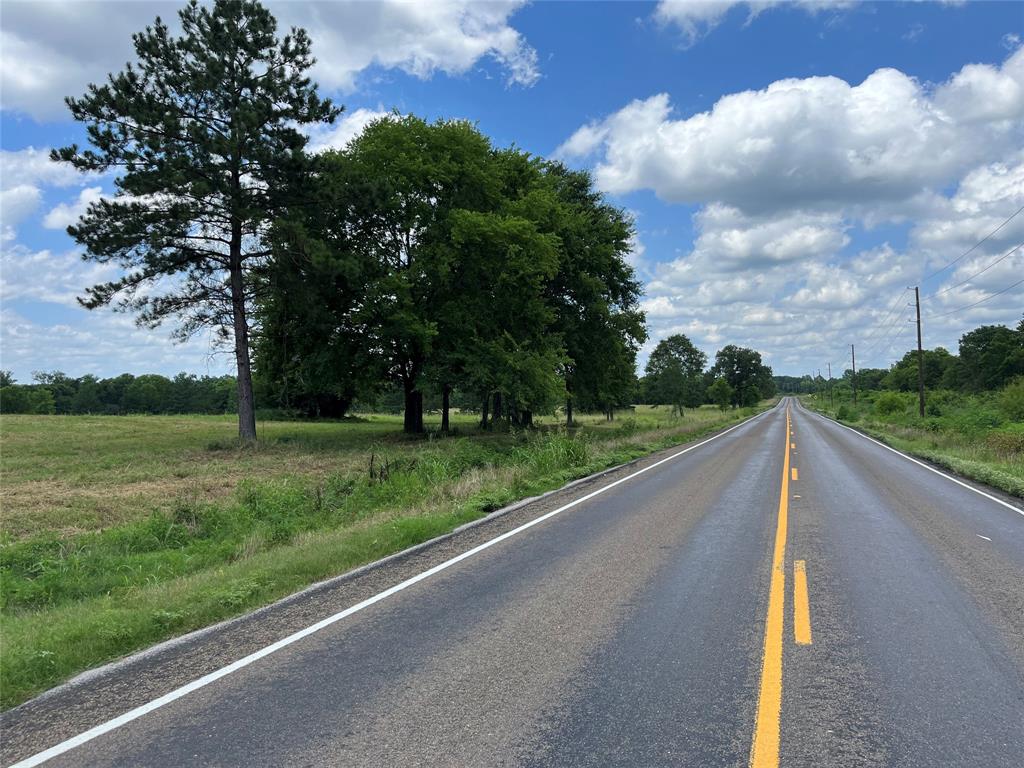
{"x":989,"y":357}
{"x":419,"y":256}
{"x":58,"y":393}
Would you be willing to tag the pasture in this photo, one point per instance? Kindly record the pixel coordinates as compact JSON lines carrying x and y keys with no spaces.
{"x":121,"y":531}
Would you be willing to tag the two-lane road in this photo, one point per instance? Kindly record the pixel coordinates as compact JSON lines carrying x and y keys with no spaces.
{"x":787,"y":593}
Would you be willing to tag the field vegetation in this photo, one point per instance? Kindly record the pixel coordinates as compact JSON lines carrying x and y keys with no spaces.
{"x":119,"y":532}
{"x":980,"y":436}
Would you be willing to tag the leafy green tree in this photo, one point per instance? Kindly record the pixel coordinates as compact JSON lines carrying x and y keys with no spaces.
{"x":798,"y":385}
{"x":504,"y":265}
{"x":87,"y":397}
{"x":149,"y":393}
{"x":111,"y":392}
{"x":872,"y":378}
{"x":61,"y":386}
{"x":903,"y":375}
{"x":408,"y":177}
{"x":321,"y":344}
{"x":14,"y":399}
{"x":1011,"y":399}
{"x":6,"y":378}
{"x":205,"y":133}
{"x":720,"y":393}
{"x":594,"y":294}
{"x":674,"y":373}
{"x":749,"y":378}
{"x":490,"y":263}
{"x":35,"y":399}
{"x":991,"y":356}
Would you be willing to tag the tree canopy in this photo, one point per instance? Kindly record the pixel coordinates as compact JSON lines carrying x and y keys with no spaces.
{"x":674,"y":374}
{"x":431,"y":258}
{"x":743,"y":370}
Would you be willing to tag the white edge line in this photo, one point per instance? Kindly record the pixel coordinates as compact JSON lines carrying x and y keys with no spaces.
{"x":202,"y":682}
{"x":961,"y":483}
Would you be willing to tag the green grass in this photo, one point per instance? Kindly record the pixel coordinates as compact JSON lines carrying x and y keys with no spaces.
{"x":119,"y":532}
{"x":972,"y":435}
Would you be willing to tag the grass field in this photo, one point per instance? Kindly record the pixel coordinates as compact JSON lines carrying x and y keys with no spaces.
{"x":118,"y":532}
{"x":969,"y":434}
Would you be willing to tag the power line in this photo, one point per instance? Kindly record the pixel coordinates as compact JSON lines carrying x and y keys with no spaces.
{"x":888,"y":331}
{"x":975,"y":246}
{"x":981,"y":301}
{"x":887,"y":335}
{"x":886,"y":317}
{"x":986,"y":269}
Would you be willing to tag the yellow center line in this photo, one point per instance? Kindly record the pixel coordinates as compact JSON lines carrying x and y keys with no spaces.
{"x":764,"y":752}
{"x":801,"y":604}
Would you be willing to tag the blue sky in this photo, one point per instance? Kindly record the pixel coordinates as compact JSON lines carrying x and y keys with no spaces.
{"x":792,"y":167}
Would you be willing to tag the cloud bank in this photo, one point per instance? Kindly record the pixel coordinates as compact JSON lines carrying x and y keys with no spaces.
{"x":789,"y":178}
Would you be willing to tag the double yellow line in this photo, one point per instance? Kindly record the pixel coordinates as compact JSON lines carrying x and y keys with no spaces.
{"x":764,"y":752}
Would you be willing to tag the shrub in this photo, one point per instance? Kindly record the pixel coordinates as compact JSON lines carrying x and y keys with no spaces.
{"x":1006,"y":443}
{"x":976,"y":421}
{"x":1011,"y":399}
{"x":846,"y":413}
{"x":888,"y":403}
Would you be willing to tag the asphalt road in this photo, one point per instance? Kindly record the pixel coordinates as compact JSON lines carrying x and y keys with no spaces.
{"x":654,"y":623}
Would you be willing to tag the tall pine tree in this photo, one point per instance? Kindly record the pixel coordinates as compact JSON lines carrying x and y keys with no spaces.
{"x":204,"y":133}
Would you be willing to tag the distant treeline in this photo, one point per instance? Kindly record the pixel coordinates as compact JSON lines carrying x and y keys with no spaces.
{"x":989,"y":358}
{"x":57,"y":393}
{"x":150,"y":393}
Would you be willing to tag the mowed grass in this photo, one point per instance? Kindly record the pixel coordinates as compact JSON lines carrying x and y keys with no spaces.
{"x":119,"y":532}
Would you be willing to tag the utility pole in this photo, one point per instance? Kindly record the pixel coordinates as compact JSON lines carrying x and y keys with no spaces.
{"x":831,"y":403}
{"x":920,"y":355}
{"x":853,"y":378}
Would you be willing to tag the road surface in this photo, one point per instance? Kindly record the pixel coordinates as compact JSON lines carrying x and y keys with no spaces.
{"x":788,"y":593}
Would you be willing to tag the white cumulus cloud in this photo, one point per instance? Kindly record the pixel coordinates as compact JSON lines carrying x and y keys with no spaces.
{"x":50,"y":49}
{"x":18,"y":202}
{"x":345,"y":128}
{"x":64,"y":215}
{"x":812,"y":142}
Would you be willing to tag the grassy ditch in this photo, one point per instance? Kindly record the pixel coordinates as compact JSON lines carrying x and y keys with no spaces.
{"x":155,"y":526}
{"x":978,"y":436}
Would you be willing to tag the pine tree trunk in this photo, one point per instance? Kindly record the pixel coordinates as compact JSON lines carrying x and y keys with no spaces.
{"x":446,"y":392}
{"x":568,"y":411}
{"x":527,"y":418}
{"x":483,"y":411}
{"x":498,"y":413}
{"x":246,"y":406}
